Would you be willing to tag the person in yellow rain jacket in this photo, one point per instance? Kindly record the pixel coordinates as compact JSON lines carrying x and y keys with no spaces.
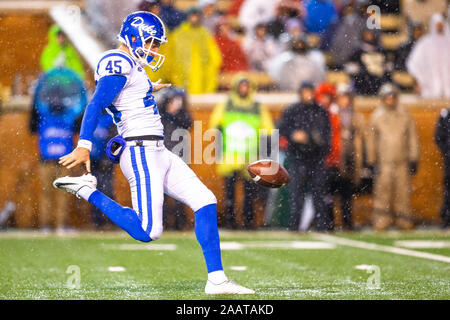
{"x":59,"y":53}
{"x":193,"y":59}
{"x":240,"y":119}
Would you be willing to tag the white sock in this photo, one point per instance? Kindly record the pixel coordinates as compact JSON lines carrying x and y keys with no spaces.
{"x":217,"y":277}
{"x":85,"y":192}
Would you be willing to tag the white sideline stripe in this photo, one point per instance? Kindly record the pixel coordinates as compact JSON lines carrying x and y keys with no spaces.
{"x":291,"y":245}
{"x":116,"y":269}
{"x":232,"y":245}
{"x":137,"y":247}
{"x":379,"y":247}
{"x":312,"y":245}
{"x":432,"y":244}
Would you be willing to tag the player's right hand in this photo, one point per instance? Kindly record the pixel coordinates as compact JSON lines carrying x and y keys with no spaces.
{"x":76,"y":157}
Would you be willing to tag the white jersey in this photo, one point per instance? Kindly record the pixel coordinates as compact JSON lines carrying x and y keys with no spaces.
{"x":134,"y":110}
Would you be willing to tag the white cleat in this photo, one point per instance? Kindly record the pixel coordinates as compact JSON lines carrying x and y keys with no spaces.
{"x":226,"y":287}
{"x":74,"y":184}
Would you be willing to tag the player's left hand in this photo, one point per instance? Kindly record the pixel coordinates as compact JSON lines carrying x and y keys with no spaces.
{"x":158,"y":85}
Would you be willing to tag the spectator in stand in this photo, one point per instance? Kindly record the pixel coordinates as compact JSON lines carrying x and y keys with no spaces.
{"x":325,"y":95}
{"x":429,"y":62}
{"x":193,"y":59}
{"x":294,"y":28}
{"x":368,"y":65}
{"x":171,"y":16}
{"x":59,"y":53}
{"x":320,"y":14}
{"x":211,"y":15}
{"x":351,"y":168}
{"x":393,"y":152}
{"x":388,"y":6}
{"x":442,"y":139}
{"x":254,"y":12}
{"x":297,"y":65}
{"x":59,"y":99}
{"x":234,"y":8}
{"x":421,"y":11}
{"x":174,"y":115}
{"x":347,"y":38}
{"x":402,"y":53}
{"x":287,"y":11}
{"x":259,"y":48}
{"x":239,"y":119}
{"x":306,"y":127}
{"x":233,"y":56}
{"x":152,"y":6}
{"x":340,"y":5}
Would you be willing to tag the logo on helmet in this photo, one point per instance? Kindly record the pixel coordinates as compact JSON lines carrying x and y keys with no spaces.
{"x":138,"y":22}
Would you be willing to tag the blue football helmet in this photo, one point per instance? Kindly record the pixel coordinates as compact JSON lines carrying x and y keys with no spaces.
{"x":139,"y":28}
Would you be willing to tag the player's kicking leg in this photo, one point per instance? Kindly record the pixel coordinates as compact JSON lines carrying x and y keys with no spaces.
{"x":85,"y":187}
{"x":182,"y":183}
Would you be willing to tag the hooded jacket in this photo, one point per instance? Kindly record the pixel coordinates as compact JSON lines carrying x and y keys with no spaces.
{"x":372,"y":67}
{"x":392,"y":137}
{"x":429,"y":62}
{"x":65,"y":56}
{"x":59,"y":99}
{"x":319,"y":15}
{"x":237,"y":114}
{"x":314,"y":120}
{"x":442,"y":135}
{"x":233,"y":56}
{"x":334,"y":157}
{"x":192,"y":60}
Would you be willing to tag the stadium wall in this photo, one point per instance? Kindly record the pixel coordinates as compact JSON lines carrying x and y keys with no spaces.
{"x":19,"y":159}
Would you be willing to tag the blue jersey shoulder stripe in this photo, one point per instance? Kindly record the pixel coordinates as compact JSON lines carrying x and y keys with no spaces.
{"x":117,"y":54}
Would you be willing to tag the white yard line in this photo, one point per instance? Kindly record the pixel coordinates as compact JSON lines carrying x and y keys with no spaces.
{"x":423,"y":244}
{"x":137,"y":247}
{"x":289,"y":244}
{"x":233,"y":245}
{"x":379,"y":247}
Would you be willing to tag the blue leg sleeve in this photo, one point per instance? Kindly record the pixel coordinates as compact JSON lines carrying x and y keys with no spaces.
{"x":208,"y":236}
{"x":125,"y":218}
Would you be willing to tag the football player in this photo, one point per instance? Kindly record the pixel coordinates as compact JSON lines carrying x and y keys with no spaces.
{"x":125,"y":91}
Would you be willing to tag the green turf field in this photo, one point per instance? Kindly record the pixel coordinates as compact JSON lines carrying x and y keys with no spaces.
{"x":278,"y":265}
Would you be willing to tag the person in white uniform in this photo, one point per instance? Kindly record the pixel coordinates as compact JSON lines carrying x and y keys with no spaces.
{"x":125,"y":91}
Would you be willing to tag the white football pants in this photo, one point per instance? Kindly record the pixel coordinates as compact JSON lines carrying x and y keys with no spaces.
{"x":153,"y":170}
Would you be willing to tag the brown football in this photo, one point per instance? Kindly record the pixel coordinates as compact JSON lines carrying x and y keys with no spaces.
{"x":268,"y":173}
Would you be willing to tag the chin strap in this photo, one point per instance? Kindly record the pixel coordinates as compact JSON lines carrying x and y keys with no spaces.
{"x":148,"y":56}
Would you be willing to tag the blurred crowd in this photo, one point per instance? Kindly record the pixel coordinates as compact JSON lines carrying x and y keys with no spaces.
{"x":292,"y":41}
{"x":330,"y":151}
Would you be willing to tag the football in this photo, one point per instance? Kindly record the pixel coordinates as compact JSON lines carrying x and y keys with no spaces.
{"x":268,"y":173}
